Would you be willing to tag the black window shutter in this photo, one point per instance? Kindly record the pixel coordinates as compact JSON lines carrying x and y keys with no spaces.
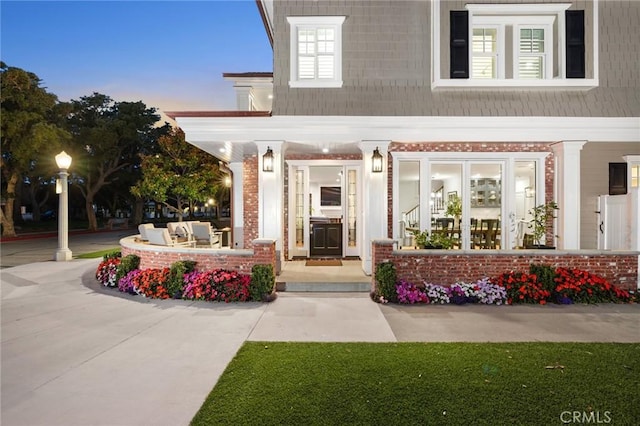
{"x":575,"y":43}
{"x":459,"y":44}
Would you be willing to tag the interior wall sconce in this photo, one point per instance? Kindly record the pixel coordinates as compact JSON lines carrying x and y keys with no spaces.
{"x":267,"y":161}
{"x":529,"y":192}
{"x":376,"y":161}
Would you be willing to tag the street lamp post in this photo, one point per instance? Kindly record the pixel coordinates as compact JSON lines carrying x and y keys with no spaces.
{"x":63,"y":160}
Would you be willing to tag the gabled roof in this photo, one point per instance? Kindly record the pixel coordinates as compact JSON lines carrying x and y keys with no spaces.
{"x":265,"y":7}
{"x":217,"y":114}
{"x":247,"y":74}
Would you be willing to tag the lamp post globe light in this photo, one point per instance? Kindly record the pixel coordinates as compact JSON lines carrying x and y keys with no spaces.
{"x":63,"y":160}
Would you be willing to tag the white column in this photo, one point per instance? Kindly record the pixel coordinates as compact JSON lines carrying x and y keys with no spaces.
{"x":567,"y":186}
{"x":375,"y":197}
{"x":63,"y":253}
{"x":243,"y":98}
{"x":237,"y":208}
{"x":270,"y":194}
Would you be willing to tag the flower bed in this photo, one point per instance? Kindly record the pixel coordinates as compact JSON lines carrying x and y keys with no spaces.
{"x":182,"y":281}
{"x":540,"y":285}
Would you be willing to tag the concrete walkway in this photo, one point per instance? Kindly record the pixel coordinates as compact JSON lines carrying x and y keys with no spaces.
{"x":74,"y":353}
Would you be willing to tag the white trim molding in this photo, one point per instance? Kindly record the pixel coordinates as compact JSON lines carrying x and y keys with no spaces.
{"x":270,"y":194}
{"x":238,"y":133}
{"x":517,"y":12}
{"x":374,"y":199}
{"x":314,"y":23}
{"x":567,"y":190}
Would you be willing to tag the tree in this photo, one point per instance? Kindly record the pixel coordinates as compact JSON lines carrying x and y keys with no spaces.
{"x":179,"y":175}
{"x":108,"y":136}
{"x":30,"y":138}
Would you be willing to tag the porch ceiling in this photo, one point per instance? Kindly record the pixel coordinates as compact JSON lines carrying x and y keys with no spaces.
{"x":235,"y":151}
{"x":231,"y":138}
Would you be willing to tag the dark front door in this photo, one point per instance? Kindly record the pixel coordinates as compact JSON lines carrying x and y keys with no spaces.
{"x":326,"y":239}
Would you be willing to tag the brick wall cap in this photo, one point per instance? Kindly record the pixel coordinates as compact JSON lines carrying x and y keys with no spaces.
{"x":384,"y":242}
{"x":131,"y":243}
{"x":263,"y":241}
{"x":525,"y":252}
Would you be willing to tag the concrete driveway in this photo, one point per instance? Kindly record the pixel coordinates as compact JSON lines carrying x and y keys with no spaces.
{"x":74,"y":353}
{"x":75,"y":356}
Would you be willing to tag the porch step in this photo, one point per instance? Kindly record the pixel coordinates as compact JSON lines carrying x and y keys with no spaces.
{"x":319,"y":287}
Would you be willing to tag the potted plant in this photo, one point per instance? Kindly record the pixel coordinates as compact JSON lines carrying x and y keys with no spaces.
{"x":454,"y":207}
{"x":541,"y":215}
{"x":433,"y":241}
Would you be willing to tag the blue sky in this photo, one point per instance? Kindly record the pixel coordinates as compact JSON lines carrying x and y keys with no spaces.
{"x":168,"y":54}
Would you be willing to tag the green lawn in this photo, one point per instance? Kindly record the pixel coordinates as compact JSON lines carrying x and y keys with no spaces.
{"x":425,"y":384}
{"x":95,"y":254}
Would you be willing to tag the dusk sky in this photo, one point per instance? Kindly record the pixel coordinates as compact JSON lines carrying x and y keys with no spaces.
{"x":168,"y":54}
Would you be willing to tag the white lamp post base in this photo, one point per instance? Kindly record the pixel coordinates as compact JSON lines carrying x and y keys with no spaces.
{"x":63,"y":255}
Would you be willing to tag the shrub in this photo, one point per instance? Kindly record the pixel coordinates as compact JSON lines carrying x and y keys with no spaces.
{"x":116,"y":254}
{"x":107,"y":270}
{"x":546,"y":276}
{"x":175,"y":283}
{"x":386,"y":279}
{"x":262,"y":282}
{"x":127,"y":264}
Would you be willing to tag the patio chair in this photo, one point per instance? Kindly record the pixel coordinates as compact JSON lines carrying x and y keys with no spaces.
{"x":203,"y":234}
{"x":161,"y":237}
{"x":142,"y":228}
{"x":180,"y":229}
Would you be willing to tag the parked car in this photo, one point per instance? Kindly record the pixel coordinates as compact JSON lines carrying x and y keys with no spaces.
{"x":48,"y":215}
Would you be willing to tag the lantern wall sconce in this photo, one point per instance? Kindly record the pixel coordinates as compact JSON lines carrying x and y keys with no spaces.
{"x":267,"y":161}
{"x":376,"y":161}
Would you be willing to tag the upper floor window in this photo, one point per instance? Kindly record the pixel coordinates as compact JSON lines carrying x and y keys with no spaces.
{"x":316,"y":51}
{"x":512,"y":45}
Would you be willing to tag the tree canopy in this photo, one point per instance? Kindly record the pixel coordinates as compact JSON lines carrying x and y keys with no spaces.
{"x":107,"y":138}
{"x":30,"y":137}
{"x":179,"y":175}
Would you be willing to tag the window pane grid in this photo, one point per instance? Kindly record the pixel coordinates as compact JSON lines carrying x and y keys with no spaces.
{"x":299,"y":208}
{"x":316,"y":53}
{"x":484,"y":47}
{"x":532,"y":53}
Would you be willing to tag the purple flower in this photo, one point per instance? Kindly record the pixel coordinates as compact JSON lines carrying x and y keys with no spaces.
{"x":410,"y":294}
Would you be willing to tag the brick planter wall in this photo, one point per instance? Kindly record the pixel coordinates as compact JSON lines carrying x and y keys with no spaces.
{"x":151,"y":256}
{"x":449,"y":266}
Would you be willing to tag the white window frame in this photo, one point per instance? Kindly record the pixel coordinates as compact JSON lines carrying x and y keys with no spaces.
{"x":507,"y":159}
{"x":315,"y":22}
{"x":499,"y":54}
{"x":545,"y":23}
{"x":522,"y":13}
